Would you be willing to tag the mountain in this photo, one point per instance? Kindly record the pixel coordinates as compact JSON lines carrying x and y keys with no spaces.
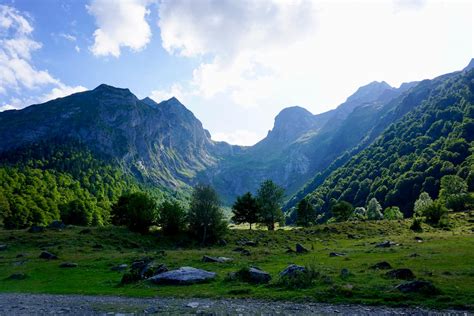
{"x":302,"y":144}
{"x":162,"y":144}
{"x":431,"y":135}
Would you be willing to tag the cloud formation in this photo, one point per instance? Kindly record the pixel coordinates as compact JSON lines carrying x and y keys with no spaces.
{"x":120,"y":24}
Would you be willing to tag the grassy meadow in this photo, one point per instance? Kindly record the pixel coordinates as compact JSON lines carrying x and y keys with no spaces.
{"x":444,"y":256}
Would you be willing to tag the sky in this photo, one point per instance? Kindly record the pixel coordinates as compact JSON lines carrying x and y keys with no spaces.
{"x":235,"y":63}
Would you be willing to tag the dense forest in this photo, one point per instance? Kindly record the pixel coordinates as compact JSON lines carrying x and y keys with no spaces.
{"x":412,"y":155}
{"x":63,"y":180}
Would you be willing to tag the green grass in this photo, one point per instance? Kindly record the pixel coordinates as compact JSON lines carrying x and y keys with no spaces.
{"x":445,"y":257}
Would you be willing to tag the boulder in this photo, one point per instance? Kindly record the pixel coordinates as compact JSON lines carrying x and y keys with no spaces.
{"x":36,"y":229}
{"x":146,"y":267}
{"x":48,"y":256}
{"x":255,"y":275}
{"x":337,"y":254}
{"x":216,"y":259}
{"x":17,"y":276}
{"x":120,"y":267}
{"x":292,"y":270}
{"x":385,"y":244}
{"x":382,"y":265}
{"x":301,"y":249}
{"x":183,"y":276}
{"x":3,"y":247}
{"x":402,"y":274}
{"x":57,"y":225}
{"x":68,"y":265}
{"x":242,"y":251}
{"x":418,"y":286}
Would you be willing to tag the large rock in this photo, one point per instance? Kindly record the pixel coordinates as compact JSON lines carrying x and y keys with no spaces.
{"x":183,"y":276}
{"x":301,"y":249}
{"x":292,"y":270}
{"x":48,"y":255}
{"x":216,"y":259}
{"x":253,"y":275}
{"x":17,"y":276}
{"x":402,"y":274}
{"x":418,"y":286}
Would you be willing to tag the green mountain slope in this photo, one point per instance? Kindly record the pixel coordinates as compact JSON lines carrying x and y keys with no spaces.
{"x":432,"y":137}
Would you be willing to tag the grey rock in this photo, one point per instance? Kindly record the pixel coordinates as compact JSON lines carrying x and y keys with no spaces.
{"x":386,"y":244}
{"x":301,"y":249}
{"x":183,"y":276}
{"x":216,"y":259}
{"x":345,"y":273}
{"x":336,"y":254}
{"x":402,"y":274}
{"x":3,"y":247}
{"x":255,"y":275}
{"x":120,"y":267}
{"x":418,"y":286}
{"x":292,"y":270}
{"x":48,"y":255}
{"x":68,"y":265}
{"x":17,"y":276}
{"x":382,"y":265}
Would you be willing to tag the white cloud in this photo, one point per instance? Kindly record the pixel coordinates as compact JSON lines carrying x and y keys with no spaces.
{"x":77,"y":49}
{"x":120,"y":24}
{"x":68,"y":37}
{"x":18,"y":75}
{"x":238,"y":137}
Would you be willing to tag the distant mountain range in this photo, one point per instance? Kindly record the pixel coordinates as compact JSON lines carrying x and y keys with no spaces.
{"x":165,"y":145}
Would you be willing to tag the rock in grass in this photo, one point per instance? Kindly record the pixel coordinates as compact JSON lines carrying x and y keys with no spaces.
{"x":243,"y":251}
{"x":418,"y":239}
{"x":216,"y":259}
{"x":292,"y":270}
{"x":254,"y":275}
{"x":337,"y":254}
{"x":48,"y":255}
{"x":68,"y":265}
{"x":36,"y":229}
{"x":383,"y":265}
{"x":57,"y":225}
{"x":385,"y":244}
{"x":402,"y":274}
{"x":301,"y":249}
{"x":17,"y":276}
{"x":3,"y":247}
{"x":345,"y":273}
{"x":418,"y":286}
{"x":183,"y":276}
{"x":120,"y":267}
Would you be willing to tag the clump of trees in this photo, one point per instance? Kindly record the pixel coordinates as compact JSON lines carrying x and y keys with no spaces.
{"x":264,"y":208}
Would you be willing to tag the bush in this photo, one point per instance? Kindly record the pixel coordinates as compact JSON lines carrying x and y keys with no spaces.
{"x":137,"y":211}
{"x":458,"y":202}
{"x":435,"y":212}
{"x":342,"y":211}
{"x":416,"y":225}
{"x":171,"y":218}
{"x":374,"y":210}
{"x":206,"y":220}
{"x":393,"y":213}
{"x":359,"y":214}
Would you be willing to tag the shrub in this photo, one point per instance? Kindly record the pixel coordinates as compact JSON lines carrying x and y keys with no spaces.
{"x":136,"y":210}
{"x":421,"y":204}
{"x":359,"y":214}
{"x":206,"y":220}
{"x":171,"y":218}
{"x":342,"y":211}
{"x":435,"y":212}
{"x":416,"y":225}
{"x":393,"y":213}
{"x":374,"y":210}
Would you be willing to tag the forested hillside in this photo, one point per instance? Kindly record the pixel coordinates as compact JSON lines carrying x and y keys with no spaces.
{"x":435,"y":138}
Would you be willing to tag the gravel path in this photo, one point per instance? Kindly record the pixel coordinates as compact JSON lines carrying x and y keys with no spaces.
{"x":39,"y":304}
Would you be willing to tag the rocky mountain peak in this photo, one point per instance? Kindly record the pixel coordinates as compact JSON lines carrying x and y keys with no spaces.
{"x":470,"y":65}
{"x":290,"y":123}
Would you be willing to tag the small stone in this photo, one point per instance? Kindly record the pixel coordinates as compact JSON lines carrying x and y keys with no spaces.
{"x":17,"y":276}
{"x":386,"y":244}
{"x":48,"y":256}
{"x":120,"y":267}
{"x":337,"y":254}
{"x":68,"y":265}
{"x":301,"y":249}
{"x":402,"y":274}
{"x":193,"y":305}
{"x":383,"y":265}
{"x":216,"y":259}
{"x":3,"y":247}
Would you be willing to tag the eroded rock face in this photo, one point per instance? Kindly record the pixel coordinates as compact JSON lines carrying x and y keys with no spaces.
{"x":183,"y":276}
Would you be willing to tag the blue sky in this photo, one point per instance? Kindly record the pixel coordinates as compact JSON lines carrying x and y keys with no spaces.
{"x":235,"y":64}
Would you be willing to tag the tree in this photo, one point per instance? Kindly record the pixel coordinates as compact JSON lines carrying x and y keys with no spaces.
{"x":245,"y":210}
{"x":76,"y":213}
{"x":206,"y":221}
{"x":342,"y":211}
{"x":453,"y":192}
{"x":270,"y":199}
{"x":359,"y":214}
{"x":374,"y":210}
{"x":435,"y":212}
{"x":4,"y":206}
{"x":421,"y":204}
{"x":305,"y":213}
{"x":392,"y":213}
{"x":171,"y":218}
{"x":135,"y":210}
